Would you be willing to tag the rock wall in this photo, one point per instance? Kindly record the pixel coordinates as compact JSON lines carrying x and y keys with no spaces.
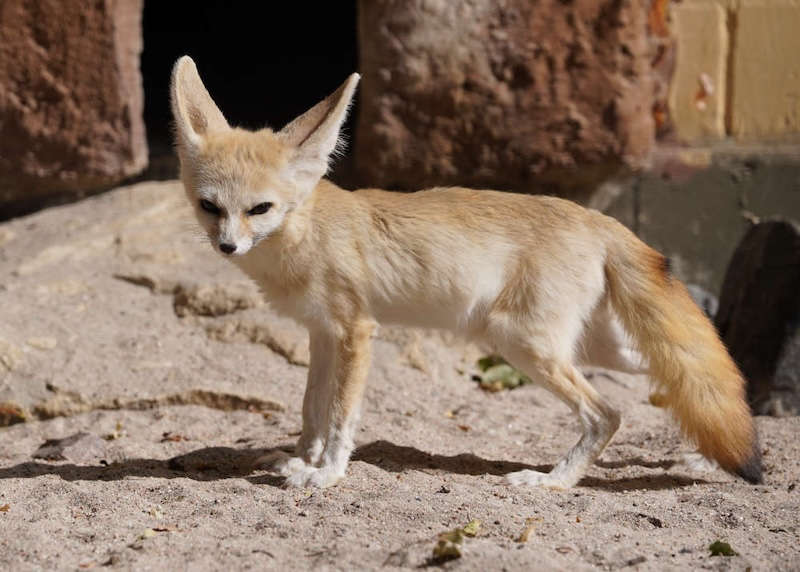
{"x":513,"y":94}
{"x":70,"y":98}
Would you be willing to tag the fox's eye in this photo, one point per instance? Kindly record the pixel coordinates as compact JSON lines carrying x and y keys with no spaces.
{"x":260,"y":208}
{"x":209,"y":207}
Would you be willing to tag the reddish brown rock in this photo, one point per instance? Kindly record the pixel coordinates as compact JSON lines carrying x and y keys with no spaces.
{"x":70,"y":98}
{"x":515,"y":94}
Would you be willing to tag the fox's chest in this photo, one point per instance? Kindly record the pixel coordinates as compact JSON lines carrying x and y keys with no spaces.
{"x":286,"y":294}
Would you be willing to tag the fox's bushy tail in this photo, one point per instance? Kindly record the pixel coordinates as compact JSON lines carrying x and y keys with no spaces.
{"x":701,"y":383}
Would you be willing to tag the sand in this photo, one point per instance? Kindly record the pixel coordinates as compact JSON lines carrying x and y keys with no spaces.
{"x":118,"y":321}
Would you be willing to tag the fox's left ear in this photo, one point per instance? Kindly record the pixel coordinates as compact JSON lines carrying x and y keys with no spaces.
{"x":315,"y":134}
{"x":194,"y":111}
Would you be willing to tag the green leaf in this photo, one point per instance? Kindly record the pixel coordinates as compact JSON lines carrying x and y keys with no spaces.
{"x":720,"y":548}
{"x":486,"y":362}
{"x":498,"y":374}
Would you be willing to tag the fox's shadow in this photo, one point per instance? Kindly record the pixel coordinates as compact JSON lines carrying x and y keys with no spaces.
{"x":217,"y":463}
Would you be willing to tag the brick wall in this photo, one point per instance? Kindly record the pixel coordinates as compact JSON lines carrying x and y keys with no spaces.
{"x":737,"y":72}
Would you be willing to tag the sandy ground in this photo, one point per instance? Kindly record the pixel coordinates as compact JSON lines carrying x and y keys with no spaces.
{"x":118,"y":321}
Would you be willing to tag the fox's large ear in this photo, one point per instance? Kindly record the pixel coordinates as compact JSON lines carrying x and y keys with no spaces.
{"x":194,"y":111}
{"x":315,"y":134}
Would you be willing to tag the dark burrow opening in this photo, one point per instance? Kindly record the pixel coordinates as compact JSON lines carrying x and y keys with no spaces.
{"x":263,"y":63}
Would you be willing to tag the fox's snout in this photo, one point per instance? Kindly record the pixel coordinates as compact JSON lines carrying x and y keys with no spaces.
{"x":227,"y":248}
{"x":234,"y":237}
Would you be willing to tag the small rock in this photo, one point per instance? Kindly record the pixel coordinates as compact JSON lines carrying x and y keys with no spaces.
{"x":6,"y":236}
{"x":10,"y":355}
{"x":81,"y":448}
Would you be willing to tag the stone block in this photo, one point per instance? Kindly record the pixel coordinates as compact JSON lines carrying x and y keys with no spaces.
{"x":696,"y":223}
{"x":765,"y":102}
{"x":697,"y":206}
{"x":698,"y":88}
{"x":70,"y":98}
{"x":517,"y":94}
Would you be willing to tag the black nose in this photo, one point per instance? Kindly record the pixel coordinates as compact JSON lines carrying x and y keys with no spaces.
{"x":227,"y":248}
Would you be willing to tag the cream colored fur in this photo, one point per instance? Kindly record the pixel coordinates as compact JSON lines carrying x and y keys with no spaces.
{"x":540,"y":278}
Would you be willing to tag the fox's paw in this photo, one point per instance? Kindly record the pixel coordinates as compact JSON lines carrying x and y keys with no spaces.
{"x":281,"y":463}
{"x":697,"y":462}
{"x":307,"y":476}
{"x":536,"y":479}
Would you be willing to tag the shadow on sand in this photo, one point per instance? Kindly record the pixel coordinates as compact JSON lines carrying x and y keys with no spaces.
{"x":215,"y":463}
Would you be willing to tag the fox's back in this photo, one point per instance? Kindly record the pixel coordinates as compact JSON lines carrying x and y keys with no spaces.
{"x":443,"y":257}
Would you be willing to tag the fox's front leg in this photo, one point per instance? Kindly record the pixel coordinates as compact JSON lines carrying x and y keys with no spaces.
{"x":339,"y":364}
{"x":316,"y":402}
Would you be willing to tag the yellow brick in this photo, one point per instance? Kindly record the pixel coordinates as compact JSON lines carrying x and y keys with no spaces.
{"x":697,"y":91}
{"x":766,"y":70}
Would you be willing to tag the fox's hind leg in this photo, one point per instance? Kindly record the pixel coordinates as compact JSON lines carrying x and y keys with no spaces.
{"x":543,"y":346}
{"x":605,"y":344}
{"x":537,"y":322}
{"x":599,"y":420}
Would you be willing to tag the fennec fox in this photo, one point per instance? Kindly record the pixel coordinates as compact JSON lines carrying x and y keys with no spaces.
{"x":339,"y":261}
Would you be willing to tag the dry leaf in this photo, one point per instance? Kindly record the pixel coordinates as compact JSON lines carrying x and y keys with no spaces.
{"x":5,"y":508}
{"x":471,"y":529}
{"x":530,"y":524}
{"x":118,"y":433}
{"x":11,"y":414}
{"x":449,"y":545}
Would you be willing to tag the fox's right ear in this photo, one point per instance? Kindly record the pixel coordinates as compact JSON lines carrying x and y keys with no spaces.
{"x":194,"y":111}
{"x":315,"y":134}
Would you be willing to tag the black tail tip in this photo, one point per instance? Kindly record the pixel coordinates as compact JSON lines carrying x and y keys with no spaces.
{"x":751,"y":470}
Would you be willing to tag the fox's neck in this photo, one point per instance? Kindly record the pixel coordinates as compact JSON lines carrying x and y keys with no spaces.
{"x":281,"y":263}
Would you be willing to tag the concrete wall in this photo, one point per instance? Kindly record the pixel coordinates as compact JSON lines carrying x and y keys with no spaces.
{"x":695,"y":205}
{"x":732,"y":154}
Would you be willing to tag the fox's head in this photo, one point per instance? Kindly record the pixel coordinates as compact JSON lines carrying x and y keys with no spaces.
{"x":243,"y":183}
